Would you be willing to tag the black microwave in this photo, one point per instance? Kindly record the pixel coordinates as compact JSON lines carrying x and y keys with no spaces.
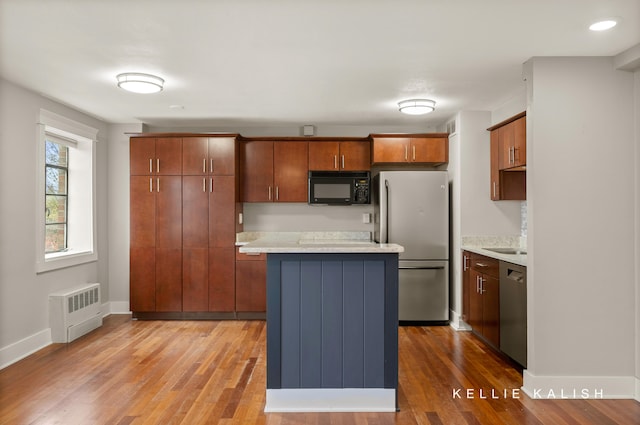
{"x":339,"y":187}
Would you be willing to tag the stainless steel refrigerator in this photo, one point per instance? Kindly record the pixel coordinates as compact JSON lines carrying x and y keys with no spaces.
{"x":412,"y":209}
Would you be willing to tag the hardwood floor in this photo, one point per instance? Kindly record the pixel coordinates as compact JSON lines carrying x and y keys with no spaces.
{"x":154,"y":372}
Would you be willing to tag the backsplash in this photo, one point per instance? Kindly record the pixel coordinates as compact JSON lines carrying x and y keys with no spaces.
{"x":523,"y":218}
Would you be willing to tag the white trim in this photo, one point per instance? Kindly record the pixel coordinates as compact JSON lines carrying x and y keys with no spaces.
{"x":67,"y":125}
{"x":331,"y":400}
{"x":637,"y":397}
{"x":579,"y":387}
{"x":457,"y":323}
{"x":115,"y":307}
{"x":17,"y":351}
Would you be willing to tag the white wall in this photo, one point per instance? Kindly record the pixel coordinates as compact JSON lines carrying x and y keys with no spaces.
{"x":581,"y":199}
{"x":637,"y":263}
{"x":24,"y":321}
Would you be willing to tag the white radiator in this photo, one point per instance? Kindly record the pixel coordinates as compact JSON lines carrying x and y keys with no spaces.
{"x":74,"y":312}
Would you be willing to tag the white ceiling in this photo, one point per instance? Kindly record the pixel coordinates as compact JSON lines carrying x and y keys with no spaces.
{"x":257,"y":62}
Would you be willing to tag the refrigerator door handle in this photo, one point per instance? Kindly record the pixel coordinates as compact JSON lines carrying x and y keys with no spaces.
{"x":384,"y":223}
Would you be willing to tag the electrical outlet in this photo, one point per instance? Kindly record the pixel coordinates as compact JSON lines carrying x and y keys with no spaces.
{"x":366,"y":218}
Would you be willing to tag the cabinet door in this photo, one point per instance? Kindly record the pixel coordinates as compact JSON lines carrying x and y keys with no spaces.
{"x":257,"y":171}
{"x":195,"y":156}
{"x":505,"y":136}
{"x":251,"y":286}
{"x":222,"y":202}
{"x":491,"y":309}
{"x":168,"y":279}
{"x":142,"y":155}
{"x":324,"y":156}
{"x":291,"y":171}
{"x":142,"y":265}
{"x":390,"y":149}
{"x":355,"y":156}
{"x":142,"y":279}
{"x":495,"y":165}
{"x":429,"y":150}
{"x":195,"y":212}
{"x":195,"y":279}
{"x":475,"y":302}
{"x":520,"y":142}
{"x":168,"y":211}
{"x":222,"y":282}
{"x":168,"y":156}
{"x":222,"y":156}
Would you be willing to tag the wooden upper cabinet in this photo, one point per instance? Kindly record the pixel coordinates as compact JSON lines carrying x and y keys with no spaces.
{"x":275,"y":171}
{"x":290,"y":171}
{"x":513,"y":144}
{"x":156,"y":156}
{"x":208,"y":156}
{"x":411,"y":148}
{"x":508,"y":159}
{"x":337,"y":155}
{"x":257,"y":171}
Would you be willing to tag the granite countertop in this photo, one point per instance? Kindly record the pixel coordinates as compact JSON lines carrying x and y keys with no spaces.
{"x":312,"y":242}
{"x":479,"y":245}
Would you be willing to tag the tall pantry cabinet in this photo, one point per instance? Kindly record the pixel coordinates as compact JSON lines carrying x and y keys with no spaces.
{"x":183,"y":225}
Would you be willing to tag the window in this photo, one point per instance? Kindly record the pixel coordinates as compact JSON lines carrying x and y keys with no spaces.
{"x":66,"y":213}
{"x":56,"y":195}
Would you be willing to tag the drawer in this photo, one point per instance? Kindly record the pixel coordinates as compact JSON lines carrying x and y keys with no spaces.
{"x":485,"y":265}
{"x":243,"y":256}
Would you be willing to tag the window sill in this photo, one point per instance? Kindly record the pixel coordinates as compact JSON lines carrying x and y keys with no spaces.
{"x":60,"y":260}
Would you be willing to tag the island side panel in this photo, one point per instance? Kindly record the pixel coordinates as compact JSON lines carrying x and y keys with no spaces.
{"x":356,"y":296}
{"x":353,"y":325}
{"x":332,"y":323}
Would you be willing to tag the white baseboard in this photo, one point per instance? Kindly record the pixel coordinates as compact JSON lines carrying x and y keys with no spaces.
{"x":637,"y":389}
{"x":25,"y":347}
{"x":115,"y":307}
{"x":331,"y":400}
{"x":580,"y":387}
{"x":457,"y":323}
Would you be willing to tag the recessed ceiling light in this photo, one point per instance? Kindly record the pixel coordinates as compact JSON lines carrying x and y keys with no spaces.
{"x":140,"y":83}
{"x":604,"y":25}
{"x":416,"y":106}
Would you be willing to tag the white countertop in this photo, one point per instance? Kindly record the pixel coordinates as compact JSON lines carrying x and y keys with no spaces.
{"x":478,"y":245}
{"x":313,"y":242}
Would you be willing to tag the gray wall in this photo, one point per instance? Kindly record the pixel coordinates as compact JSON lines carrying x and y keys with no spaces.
{"x":23,"y":293}
{"x":582,"y":212}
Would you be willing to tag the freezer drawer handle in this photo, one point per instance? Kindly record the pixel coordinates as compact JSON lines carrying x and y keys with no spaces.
{"x":422,"y":268}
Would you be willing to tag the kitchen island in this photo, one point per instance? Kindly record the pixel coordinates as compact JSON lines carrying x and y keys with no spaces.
{"x":332,"y":325}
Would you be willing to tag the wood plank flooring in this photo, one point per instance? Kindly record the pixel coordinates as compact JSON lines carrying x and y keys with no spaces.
{"x":206,"y":372}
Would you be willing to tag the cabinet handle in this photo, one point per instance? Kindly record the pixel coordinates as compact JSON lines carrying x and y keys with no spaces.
{"x":150,"y":184}
{"x":158,"y":184}
{"x":482,"y":291}
{"x":343,"y":162}
{"x":150,"y":166}
{"x":211,"y":165}
{"x":277,"y":193}
{"x":481,"y":265}
{"x":406,"y":153}
{"x":414,"y":152}
{"x":210,"y":184}
{"x":204,"y":165}
{"x":477,"y":284}
{"x":494,"y":189}
{"x":204,"y":184}
{"x":269,"y":192}
{"x":157,"y":165}
{"x":335,"y":161}
{"x":464,"y":263}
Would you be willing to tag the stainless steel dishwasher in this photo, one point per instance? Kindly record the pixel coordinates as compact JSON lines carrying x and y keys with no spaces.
{"x":513,"y":311}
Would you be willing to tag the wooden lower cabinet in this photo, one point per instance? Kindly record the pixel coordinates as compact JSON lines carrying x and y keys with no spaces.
{"x":168,"y":279}
{"x":222,"y":288}
{"x":251,"y":283}
{"x":481,"y":287}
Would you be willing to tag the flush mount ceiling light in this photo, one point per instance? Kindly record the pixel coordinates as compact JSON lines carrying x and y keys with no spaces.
{"x":417,"y":106}
{"x":604,"y":25}
{"x":140,"y":83}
